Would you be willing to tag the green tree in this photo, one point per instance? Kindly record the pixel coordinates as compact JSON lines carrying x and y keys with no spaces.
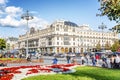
{"x":107,"y":46}
{"x":8,"y":46}
{"x":115,"y":46}
{"x":116,"y":28}
{"x":110,"y":8}
{"x":2,"y":44}
{"x":98,"y":46}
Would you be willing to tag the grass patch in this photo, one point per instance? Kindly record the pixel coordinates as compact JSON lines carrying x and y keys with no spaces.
{"x":82,"y":73}
{"x":4,"y":59}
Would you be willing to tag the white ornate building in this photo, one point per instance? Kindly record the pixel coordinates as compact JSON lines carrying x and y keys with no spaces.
{"x":64,"y":36}
{"x":11,"y":43}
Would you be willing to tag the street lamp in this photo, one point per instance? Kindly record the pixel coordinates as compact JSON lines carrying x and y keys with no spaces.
{"x":102,"y":27}
{"x":81,"y":38}
{"x":26,"y":16}
{"x":115,"y":30}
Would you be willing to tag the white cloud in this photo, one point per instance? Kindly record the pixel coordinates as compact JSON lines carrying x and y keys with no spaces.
{"x":3,"y":1}
{"x":10,"y":16}
{"x":2,"y":6}
{"x":13,"y":11}
{"x":1,"y":12}
{"x":38,"y":23}
{"x":9,"y":21}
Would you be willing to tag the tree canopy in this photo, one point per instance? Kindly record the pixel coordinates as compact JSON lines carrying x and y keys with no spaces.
{"x":2,"y":44}
{"x":98,"y":46}
{"x":110,"y":8}
{"x":115,"y":46}
{"x":107,"y":46}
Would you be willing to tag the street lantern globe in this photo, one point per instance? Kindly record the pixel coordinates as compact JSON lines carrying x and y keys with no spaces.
{"x":27,"y":17}
{"x":102,"y":26}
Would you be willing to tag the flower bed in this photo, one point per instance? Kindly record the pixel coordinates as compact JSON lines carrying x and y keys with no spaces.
{"x":17,"y":73}
{"x":17,"y":60}
{"x":12,"y":60}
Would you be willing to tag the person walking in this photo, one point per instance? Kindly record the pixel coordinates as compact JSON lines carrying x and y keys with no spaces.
{"x":29,"y":57}
{"x":68,"y":58}
{"x":117,"y":59}
{"x":87,"y":57}
{"x":97,"y":57}
{"x":55,"y":60}
{"x":94,"y":61}
{"x":73,"y":60}
{"x":109,"y":61}
{"x":83,"y":59}
{"x":112,"y":61}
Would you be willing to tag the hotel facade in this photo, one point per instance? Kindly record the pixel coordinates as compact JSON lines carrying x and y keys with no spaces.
{"x":64,"y":36}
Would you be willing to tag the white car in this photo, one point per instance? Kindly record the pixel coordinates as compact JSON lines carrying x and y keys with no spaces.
{"x":72,"y":55}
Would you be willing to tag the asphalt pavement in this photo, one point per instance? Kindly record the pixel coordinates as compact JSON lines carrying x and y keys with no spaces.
{"x":48,"y":61}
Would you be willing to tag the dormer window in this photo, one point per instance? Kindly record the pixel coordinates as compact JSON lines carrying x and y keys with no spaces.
{"x":32,"y":30}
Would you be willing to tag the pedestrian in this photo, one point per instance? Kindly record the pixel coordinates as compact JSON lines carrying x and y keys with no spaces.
{"x":87,"y":57}
{"x":117,"y":59}
{"x":29,"y":57}
{"x":104,"y":63}
{"x":94,"y":61}
{"x":55,"y":60}
{"x":112,"y":61}
{"x":109,"y":61}
{"x":83,"y":60}
{"x":20,"y":55}
{"x":37,"y":55}
{"x":40,"y":58}
{"x":68,"y":58}
{"x":97,"y":57}
{"x":73,"y":61}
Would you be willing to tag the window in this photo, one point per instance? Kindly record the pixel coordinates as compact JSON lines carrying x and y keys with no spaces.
{"x":74,"y":43}
{"x":57,"y":43}
{"x":88,"y":40}
{"x":66,"y":29}
{"x":49,"y":43}
{"x":57,"y":28}
{"x":57,"y":38}
{"x":66,"y":38}
{"x":73,"y":39}
{"x":73,"y":29}
{"x":49,"y":39}
{"x":66,"y":43}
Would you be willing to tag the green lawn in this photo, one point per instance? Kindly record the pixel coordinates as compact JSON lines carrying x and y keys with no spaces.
{"x":83,"y":73}
{"x":4,"y":59}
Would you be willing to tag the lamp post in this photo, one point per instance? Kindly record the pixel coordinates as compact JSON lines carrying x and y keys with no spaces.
{"x":102,"y":27}
{"x":26,"y":16}
{"x":81,"y":38}
{"x":115,"y":30}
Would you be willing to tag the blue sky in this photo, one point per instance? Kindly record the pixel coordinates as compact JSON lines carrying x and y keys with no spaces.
{"x":47,"y":11}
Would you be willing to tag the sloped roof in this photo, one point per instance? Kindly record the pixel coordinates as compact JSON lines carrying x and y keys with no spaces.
{"x":70,"y":23}
{"x":85,"y":27}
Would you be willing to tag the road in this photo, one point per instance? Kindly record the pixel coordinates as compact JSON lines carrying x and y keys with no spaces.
{"x":48,"y":61}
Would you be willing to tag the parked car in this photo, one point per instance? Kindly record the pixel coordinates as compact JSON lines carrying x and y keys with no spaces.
{"x":77,"y":54}
{"x":59,"y":55}
{"x":45,"y":54}
{"x":72,"y":55}
{"x":51,"y":54}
